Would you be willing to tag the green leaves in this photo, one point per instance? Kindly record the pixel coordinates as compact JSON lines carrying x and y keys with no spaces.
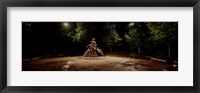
{"x":76,"y":34}
{"x":112,"y":38}
{"x":163,"y":31}
{"x":134,"y":37}
{"x":79,"y":32}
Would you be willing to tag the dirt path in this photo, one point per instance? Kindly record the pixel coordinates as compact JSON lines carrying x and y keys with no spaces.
{"x":105,"y":63}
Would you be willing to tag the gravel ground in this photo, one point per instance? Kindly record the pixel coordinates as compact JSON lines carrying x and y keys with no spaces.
{"x":103,"y":63}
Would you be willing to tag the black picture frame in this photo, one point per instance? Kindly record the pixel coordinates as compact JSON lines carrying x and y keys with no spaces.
{"x":100,"y":3}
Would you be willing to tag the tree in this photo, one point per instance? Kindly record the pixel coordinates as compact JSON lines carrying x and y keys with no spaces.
{"x":75,"y":33}
{"x":164,"y":32}
{"x":134,"y":37}
{"x":80,"y":32}
{"x":112,"y":38}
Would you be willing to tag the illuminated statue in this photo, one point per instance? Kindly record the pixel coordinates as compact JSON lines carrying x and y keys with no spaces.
{"x":93,"y":50}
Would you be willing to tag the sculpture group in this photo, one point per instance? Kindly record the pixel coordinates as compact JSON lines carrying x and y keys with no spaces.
{"x":93,"y":50}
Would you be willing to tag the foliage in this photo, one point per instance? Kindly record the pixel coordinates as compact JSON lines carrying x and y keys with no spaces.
{"x":112,"y":38}
{"x":79,"y":32}
{"x":74,"y":34}
{"x":163,"y":31}
{"x":135,"y":37}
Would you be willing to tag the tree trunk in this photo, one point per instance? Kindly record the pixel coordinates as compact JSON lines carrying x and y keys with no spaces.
{"x":139,"y":50}
{"x":111,"y":49}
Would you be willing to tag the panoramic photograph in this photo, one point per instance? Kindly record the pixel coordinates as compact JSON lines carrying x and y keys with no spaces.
{"x":99,"y":46}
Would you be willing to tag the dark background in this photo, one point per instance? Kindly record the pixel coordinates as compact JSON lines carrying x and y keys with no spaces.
{"x":71,"y":38}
